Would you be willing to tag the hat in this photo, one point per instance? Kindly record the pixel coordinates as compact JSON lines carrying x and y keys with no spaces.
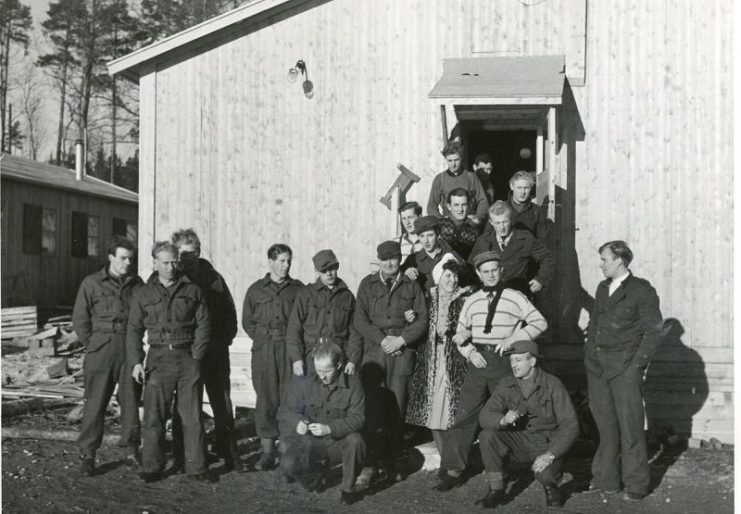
{"x":425,"y":223}
{"x":523,"y":346}
{"x":437,"y":271}
{"x":486,"y":257}
{"x":388,"y":250}
{"x":324,"y":259}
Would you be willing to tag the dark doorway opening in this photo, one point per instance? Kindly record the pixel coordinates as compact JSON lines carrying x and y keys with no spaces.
{"x":510,"y":150}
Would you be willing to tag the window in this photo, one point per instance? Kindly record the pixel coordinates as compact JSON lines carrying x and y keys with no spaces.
{"x":49,"y":231}
{"x":79,"y":234}
{"x":93,"y":236}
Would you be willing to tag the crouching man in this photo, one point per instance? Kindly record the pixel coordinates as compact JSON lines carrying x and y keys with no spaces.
{"x":321,"y":423}
{"x":530,"y":419}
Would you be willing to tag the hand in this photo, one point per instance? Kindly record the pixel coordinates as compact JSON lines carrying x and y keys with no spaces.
{"x":319,"y":429}
{"x":391,"y":344}
{"x":504,"y":345}
{"x":511,"y":417}
{"x":477,"y":359}
{"x":302,"y":427}
{"x":298,"y":368}
{"x":412,"y":273}
{"x":542,"y":462}
{"x":138,"y":374}
{"x":461,"y":336}
{"x":350,"y":368}
{"x":473,"y":218}
{"x":410,"y":316}
{"x":535,"y":286}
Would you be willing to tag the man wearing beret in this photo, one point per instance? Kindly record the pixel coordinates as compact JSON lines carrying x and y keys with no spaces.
{"x":624,"y":333}
{"x":527,"y":264}
{"x":391,"y":316}
{"x":267,"y":306}
{"x":419,"y":265}
{"x":530,"y":419}
{"x":323,"y":311}
{"x":491,"y":320}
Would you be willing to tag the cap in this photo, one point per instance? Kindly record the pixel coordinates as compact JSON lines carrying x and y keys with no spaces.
{"x":388,"y":250}
{"x":425,"y":223}
{"x":523,"y":346}
{"x":324,"y":259}
{"x":486,"y":257}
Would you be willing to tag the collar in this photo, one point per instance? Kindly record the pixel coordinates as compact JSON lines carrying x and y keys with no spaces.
{"x":407,"y":236}
{"x":266,"y":281}
{"x":620,"y":280}
{"x":505,"y":240}
{"x":396,"y":281}
{"x":455,"y":174}
{"x":154,"y":278}
{"x":538,"y":378}
{"x":342,"y":381}
{"x":318,"y":285}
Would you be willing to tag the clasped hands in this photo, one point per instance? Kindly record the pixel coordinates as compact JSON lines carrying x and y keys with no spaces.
{"x":316,"y":429}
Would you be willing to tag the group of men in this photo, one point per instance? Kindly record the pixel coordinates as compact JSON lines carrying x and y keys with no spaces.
{"x":331,"y":369}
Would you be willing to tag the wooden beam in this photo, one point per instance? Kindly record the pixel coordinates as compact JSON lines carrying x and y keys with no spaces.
{"x":511,"y":100}
{"x":444,"y":122}
{"x":539,"y":150}
{"x":552,"y":145}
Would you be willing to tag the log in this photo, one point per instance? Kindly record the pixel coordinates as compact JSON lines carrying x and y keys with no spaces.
{"x":28,"y":405}
{"x":51,"y":435}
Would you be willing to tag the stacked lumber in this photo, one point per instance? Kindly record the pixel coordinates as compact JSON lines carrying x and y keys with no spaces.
{"x":18,"y":322}
{"x":53,"y":390}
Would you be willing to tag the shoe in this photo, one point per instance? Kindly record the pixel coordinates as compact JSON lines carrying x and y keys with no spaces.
{"x":553,"y":496}
{"x":449,"y":482}
{"x":348,"y":497}
{"x":632,"y":497}
{"x":366,"y":477}
{"x":150,"y":477}
{"x":491,"y":500}
{"x":266,"y":462}
{"x":594,"y":489}
{"x":200,"y":477}
{"x":87,"y":466}
{"x":228,"y":464}
{"x":133,"y":458}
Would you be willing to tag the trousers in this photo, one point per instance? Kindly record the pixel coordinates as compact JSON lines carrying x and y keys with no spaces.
{"x":271,"y":374}
{"x":520,"y":446}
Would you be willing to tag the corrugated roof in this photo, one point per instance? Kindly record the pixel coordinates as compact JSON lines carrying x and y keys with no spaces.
{"x":540,"y":77}
{"x":26,"y":170}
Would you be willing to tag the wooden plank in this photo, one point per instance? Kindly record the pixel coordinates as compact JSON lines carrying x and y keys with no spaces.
{"x":10,"y":311}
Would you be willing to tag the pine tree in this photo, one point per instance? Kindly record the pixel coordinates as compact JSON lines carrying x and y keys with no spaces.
{"x":15,"y":26}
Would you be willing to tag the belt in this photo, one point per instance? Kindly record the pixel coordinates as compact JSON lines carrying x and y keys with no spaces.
{"x":485,"y":347}
{"x":185,"y":345}
{"x":112,"y":327}
{"x":272,"y":331}
{"x":167,"y":335}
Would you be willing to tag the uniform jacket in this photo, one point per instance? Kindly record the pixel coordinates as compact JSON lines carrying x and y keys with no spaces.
{"x":321,"y":312}
{"x":221,"y":310}
{"x":624,"y":328}
{"x":425,"y":264}
{"x":517,"y":258}
{"x":176,"y":317}
{"x":267,"y":307}
{"x":102,"y":308}
{"x":380,"y":312}
{"x":547,"y":410}
{"x":340,"y":405}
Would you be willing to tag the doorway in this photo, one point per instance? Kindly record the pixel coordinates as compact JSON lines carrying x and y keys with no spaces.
{"x":510,"y":150}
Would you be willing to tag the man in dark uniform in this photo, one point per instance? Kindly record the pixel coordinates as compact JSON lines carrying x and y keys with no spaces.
{"x":99,"y":319}
{"x":419,"y":265}
{"x":530,"y":418}
{"x":519,"y":250}
{"x":325,"y":310}
{"x":391,"y":316}
{"x":459,"y":229}
{"x":624,"y":333}
{"x":172,"y":310}
{"x":215,"y":367}
{"x":321,"y":421}
{"x":267,"y":307}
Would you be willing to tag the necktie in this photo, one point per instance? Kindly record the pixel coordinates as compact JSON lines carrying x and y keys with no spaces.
{"x":495,"y":293}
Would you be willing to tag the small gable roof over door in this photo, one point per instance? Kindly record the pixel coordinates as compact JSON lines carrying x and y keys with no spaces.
{"x":501,"y":81}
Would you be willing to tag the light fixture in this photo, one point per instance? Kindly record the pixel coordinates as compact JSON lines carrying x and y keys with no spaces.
{"x":525,"y":153}
{"x":307,"y":85}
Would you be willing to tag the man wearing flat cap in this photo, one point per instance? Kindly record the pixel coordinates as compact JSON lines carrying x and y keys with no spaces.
{"x":391,"y":316}
{"x":419,"y":265}
{"x":530,"y":419}
{"x":491,"y":320}
{"x":323,"y":312}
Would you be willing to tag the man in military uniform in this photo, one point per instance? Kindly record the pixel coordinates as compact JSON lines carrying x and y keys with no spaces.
{"x":99,"y":319}
{"x":391,"y":316}
{"x":323,"y":310}
{"x":529,"y":418}
{"x":321,"y":421}
{"x":173,"y":311}
{"x":215,"y":367}
{"x":267,"y":307}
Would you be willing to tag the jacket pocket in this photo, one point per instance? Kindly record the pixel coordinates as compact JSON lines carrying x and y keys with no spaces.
{"x":184,"y":308}
{"x":104,"y":303}
{"x":153,"y":310}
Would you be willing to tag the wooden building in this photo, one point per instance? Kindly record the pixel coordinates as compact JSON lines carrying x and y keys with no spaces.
{"x":55,"y":228}
{"x":621,"y":107}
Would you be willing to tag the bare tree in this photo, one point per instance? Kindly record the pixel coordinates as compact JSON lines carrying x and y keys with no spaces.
{"x":32,"y":107}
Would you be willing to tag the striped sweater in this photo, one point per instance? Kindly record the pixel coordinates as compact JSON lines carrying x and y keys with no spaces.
{"x":513,"y":307}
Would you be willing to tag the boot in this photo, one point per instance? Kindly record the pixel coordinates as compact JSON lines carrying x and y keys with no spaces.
{"x":449,"y":482}
{"x":492,"y":499}
{"x":553,"y":496}
{"x":87,"y":465}
{"x":267,"y":459}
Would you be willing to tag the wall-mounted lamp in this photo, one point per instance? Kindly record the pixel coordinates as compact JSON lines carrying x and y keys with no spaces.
{"x":300,"y":68}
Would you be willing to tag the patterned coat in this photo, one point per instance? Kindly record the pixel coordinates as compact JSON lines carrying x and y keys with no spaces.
{"x":421,"y":389}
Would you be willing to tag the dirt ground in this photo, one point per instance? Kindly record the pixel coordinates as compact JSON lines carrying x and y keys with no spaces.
{"x":41,"y":476}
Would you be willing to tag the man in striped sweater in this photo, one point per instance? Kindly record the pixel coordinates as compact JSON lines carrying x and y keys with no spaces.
{"x":491,"y":320}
